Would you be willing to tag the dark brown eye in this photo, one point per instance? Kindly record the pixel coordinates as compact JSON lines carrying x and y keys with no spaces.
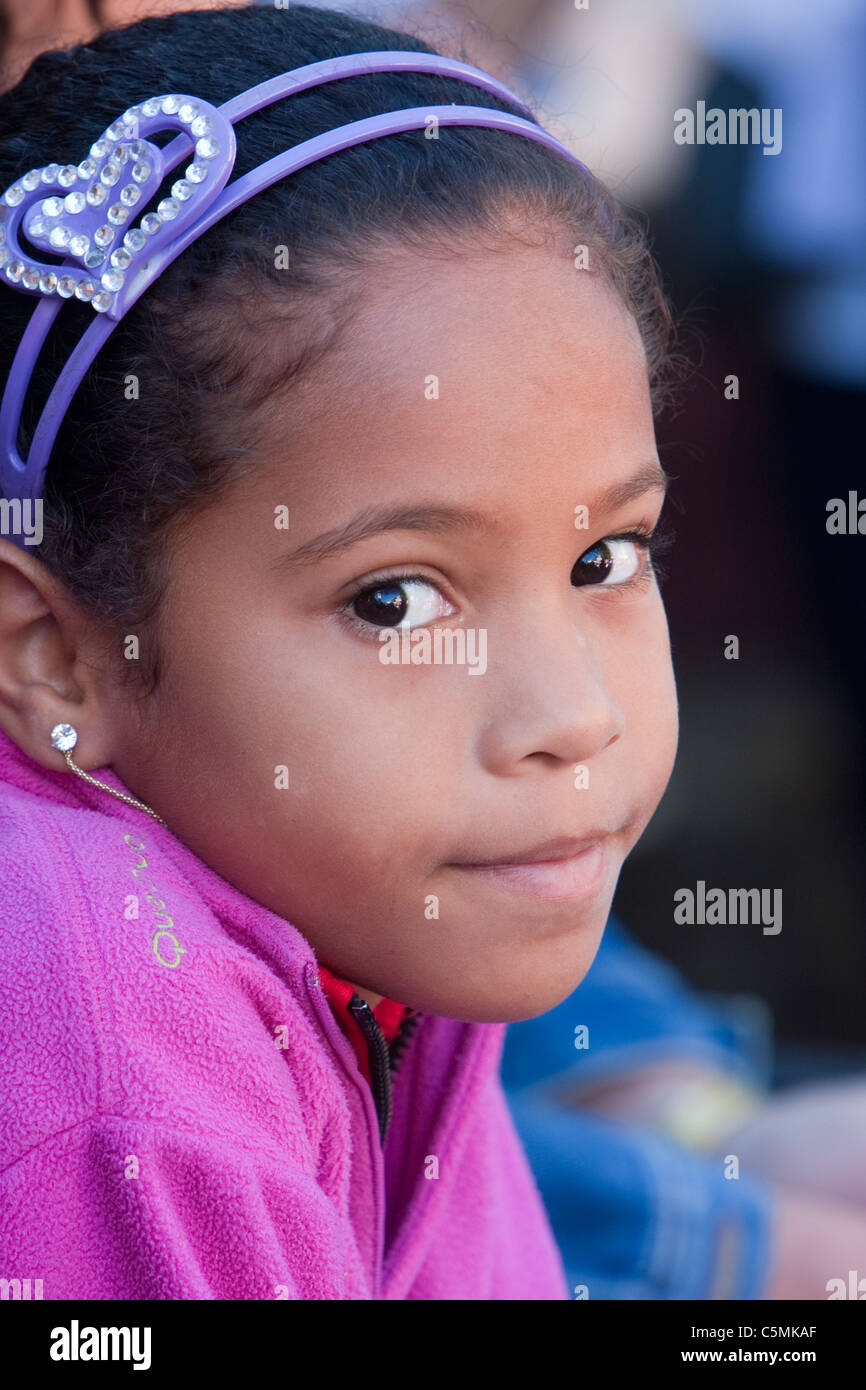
{"x":412,"y":601}
{"x":384,"y":606}
{"x":613,"y":561}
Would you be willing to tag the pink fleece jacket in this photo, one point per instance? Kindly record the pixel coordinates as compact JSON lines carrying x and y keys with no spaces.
{"x":182,"y":1116}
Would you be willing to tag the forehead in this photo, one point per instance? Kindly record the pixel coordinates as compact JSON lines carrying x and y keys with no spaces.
{"x":511,"y":377}
{"x":483,"y":324}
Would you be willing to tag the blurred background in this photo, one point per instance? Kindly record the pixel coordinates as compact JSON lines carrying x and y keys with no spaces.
{"x":764,"y":257}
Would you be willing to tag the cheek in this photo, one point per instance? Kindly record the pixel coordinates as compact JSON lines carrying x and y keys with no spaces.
{"x":366,"y":747}
{"x":646,"y":692}
{"x":371,"y":755}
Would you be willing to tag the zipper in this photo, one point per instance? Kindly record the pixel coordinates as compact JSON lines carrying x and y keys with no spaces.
{"x":346,"y":1053}
{"x":401,"y":1041}
{"x":348,"y":1058}
{"x":383,"y":1062}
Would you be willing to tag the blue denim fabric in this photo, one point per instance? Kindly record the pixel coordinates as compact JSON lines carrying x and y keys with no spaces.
{"x":637,"y":1215}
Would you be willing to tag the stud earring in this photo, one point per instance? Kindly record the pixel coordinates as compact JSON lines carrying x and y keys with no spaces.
{"x":64,"y":737}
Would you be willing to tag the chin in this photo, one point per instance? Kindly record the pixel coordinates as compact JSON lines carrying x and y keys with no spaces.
{"x":540,"y":982}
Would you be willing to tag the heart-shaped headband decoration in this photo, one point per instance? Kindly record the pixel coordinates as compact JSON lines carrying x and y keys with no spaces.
{"x":81,"y":212}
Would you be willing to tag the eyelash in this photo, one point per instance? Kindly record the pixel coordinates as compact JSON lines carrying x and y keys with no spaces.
{"x":652,"y":542}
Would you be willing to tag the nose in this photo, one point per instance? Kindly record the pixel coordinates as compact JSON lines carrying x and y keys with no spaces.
{"x":548,"y":701}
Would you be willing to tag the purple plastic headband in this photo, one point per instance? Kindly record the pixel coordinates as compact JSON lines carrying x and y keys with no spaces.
{"x":68,"y":209}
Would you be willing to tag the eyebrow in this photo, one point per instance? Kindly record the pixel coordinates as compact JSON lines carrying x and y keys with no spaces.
{"x":438,"y":518}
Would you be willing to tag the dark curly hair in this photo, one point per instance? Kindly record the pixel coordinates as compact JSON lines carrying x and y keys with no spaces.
{"x":123,"y":473}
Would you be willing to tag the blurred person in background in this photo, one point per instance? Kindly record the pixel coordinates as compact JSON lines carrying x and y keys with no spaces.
{"x":670,"y":1165}
{"x":30,"y":27}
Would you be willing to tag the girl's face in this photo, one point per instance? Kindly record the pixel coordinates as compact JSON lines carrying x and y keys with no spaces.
{"x":485,"y":424}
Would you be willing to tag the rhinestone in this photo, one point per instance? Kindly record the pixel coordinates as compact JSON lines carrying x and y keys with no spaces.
{"x":121,"y":152}
{"x":103,"y":235}
{"x":141,"y":171}
{"x":4,"y":255}
{"x":134,"y":239}
{"x":130,"y":117}
{"x":206,"y":148}
{"x":66,"y":287}
{"x":87,"y":169}
{"x":64,"y":737}
{"x":50,"y":172}
{"x":121,"y":258}
{"x":130,"y":195}
{"x":14,"y":271}
{"x":84,"y":290}
{"x":31,"y":180}
{"x":170,"y":105}
{"x":151,"y":223}
{"x":2,"y":232}
{"x":112,"y":279}
{"x":74,"y":202}
{"x":30,"y":278}
{"x":60,"y":237}
{"x":181,"y":190}
{"x":202,"y":125}
{"x":67,"y":176}
{"x":100,"y":149}
{"x":14,"y":195}
{"x":101,"y":302}
{"x":152,"y":106}
{"x":38,"y":227}
{"x":48,"y":282}
{"x":94,"y":258}
{"x":79,"y":245}
{"x":118,"y":214}
{"x":116,"y":130}
{"x":168,"y":209}
{"x":188,"y":112}
{"x":138,"y":149}
{"x":96,"y":194}
{"x":52,"y":207}
{"x":110,"y":174}
{"x":196,"y":172}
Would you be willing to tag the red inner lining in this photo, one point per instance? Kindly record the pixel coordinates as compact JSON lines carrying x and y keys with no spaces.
{"x":388,"y":1014}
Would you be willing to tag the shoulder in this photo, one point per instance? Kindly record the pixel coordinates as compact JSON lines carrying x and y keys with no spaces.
{"x":126,"y":994}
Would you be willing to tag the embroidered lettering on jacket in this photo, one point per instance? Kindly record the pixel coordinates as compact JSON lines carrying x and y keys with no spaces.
{"x":165,"y":933}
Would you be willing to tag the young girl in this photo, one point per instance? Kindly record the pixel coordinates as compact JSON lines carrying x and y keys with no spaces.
{"x":273,"y":885}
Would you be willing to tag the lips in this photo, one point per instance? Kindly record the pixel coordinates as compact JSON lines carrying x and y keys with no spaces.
{"x":566,"y":870}
{"x":551,"y":851}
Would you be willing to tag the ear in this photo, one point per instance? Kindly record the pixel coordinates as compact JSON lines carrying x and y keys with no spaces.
{"x":52,"y":665}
